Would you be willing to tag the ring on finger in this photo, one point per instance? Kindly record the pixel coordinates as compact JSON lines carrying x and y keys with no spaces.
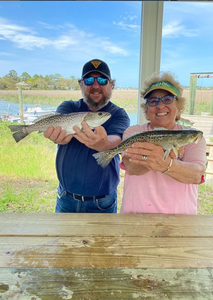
{"x":144,"y":157}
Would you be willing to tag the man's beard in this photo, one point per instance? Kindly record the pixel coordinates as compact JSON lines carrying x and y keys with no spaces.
{"x":96,"y":106}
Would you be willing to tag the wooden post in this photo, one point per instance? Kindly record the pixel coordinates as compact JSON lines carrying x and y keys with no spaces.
{"x":211,"y":109}
{"x":21,"y":105}
{"x":209,"y":170}
{"x":193,"y":84}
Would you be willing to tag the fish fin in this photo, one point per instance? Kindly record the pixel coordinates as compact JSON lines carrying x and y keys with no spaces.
{"x":166,"y":154}
{"x":103,"y":158}
{"x":175,"y":149}
{"x":18,"y":134}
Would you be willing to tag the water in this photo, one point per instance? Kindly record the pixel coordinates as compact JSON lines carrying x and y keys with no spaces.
{"x":133,"y":118}
{"x":9,"y":108}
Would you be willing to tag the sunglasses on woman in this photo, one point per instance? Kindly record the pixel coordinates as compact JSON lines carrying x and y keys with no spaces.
{"x":91,"y":80}
{"x":154,"y":101}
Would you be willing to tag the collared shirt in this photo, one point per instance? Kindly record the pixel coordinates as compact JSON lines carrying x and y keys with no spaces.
{"x":77,"y":170}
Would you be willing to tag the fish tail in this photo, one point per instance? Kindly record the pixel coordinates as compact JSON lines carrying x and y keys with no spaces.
{"x":19,"y":132}
{"x":104,"y":158}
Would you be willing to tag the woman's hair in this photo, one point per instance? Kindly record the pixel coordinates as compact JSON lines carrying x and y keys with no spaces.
{"x":167,"y":77}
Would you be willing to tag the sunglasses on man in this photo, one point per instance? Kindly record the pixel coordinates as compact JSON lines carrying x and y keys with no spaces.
{"x":90,"y":80}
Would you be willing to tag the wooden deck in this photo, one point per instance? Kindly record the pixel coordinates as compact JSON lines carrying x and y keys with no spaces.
{"x":203,"y":123}
{"x":105,"y":256}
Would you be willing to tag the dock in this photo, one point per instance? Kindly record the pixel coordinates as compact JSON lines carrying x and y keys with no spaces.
{"x":203,"y":123}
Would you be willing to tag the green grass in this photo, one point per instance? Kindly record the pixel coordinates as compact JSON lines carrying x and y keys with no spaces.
{"x":205,"y":200}
{"x":27,"y":195}
{"x":33,"y":157}
{"x":27,"y":173}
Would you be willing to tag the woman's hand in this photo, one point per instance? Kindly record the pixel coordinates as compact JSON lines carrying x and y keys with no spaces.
{"x":147,"y":155}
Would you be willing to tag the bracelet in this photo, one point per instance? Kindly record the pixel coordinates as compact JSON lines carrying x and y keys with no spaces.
{"x":168,"y":169}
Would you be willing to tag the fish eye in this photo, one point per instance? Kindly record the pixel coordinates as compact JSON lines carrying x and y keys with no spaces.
{"x":100,"y":113}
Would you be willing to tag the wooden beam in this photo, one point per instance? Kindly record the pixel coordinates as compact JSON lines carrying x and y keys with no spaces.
{"x":150,"y":48}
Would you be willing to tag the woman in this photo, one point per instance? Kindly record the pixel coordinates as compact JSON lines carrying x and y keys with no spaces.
{"x":151,"y":184}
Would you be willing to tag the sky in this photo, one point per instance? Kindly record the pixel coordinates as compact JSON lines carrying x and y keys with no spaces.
{"x":58,"y":37}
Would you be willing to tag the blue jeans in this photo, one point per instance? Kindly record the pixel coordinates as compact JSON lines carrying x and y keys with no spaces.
{"x":67,"y":204}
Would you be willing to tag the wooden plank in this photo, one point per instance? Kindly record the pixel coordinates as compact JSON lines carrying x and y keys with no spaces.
{"x":107,"y":284}
{"x":106,"y":252}
{"x":47,"y":224}
{"x":208,"y":146}
{"x":208,"y":172}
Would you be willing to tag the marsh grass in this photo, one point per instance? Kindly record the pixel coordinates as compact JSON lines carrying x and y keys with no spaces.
{"x":122,"y":98}
{"x":127,"y":99}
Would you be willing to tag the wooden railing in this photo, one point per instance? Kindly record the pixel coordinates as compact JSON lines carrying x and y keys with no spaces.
{"x":209,"y":145}
{"x":209,"y":169}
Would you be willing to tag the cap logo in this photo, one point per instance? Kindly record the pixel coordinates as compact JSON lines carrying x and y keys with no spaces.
{"x":96,"y":63}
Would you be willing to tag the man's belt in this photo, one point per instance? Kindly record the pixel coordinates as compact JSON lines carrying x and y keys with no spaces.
{"x":84,"y":198}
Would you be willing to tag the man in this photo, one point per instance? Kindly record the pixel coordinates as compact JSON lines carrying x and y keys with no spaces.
{"x":83,"y":185}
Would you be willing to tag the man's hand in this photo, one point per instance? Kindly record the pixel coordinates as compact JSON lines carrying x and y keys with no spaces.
{"x":57,"y":135}
{"x":95,"y":139}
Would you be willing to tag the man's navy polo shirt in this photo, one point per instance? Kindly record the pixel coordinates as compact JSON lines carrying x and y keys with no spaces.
{"x":77,"y":170}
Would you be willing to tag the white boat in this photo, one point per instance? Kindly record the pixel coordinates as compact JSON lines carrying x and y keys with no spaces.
{"x":10,"y":118}
{"x":36,"y":110}
{"x":29,"y":115}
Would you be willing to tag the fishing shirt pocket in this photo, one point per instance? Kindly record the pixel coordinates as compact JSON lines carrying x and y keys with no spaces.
{"x":61,"y":192}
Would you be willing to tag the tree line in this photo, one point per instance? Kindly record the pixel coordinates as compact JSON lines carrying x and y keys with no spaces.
{"x":38,"y":82}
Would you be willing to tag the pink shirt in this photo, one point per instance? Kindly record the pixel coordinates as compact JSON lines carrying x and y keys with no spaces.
{"x":155,"y":192}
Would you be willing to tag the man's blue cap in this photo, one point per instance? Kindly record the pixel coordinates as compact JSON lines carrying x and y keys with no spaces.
{"x":96,"y":65}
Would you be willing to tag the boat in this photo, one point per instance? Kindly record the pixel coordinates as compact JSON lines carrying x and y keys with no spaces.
{"x":9,"y":117}
{"x":29,"y":115}
{"x":36,"y":110}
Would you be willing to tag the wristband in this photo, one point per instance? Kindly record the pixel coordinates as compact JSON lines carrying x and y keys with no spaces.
{"x":168,"y":169}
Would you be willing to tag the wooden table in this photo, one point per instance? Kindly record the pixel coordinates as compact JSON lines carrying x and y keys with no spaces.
{"x":105,"y":256}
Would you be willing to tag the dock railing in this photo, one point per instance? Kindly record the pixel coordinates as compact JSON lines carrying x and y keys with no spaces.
{"x":209,"y":169}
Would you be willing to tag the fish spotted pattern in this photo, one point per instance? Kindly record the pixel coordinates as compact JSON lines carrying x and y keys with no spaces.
{"x":66,"y":122}
{"x":168,"y":139}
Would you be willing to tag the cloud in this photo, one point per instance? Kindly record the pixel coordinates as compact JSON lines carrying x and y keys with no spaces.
{"x":64,"y":41}
{"x":48,"y":26}
{"x":113,"y":49}
{"x":126,"y":23}
{"x":5,"y":54}
{"x":28,"y":39}
{"x":8,"y":29}
{"x":126,"y":26}
{"x":174,"y":29}
{"x":23,"y":37}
